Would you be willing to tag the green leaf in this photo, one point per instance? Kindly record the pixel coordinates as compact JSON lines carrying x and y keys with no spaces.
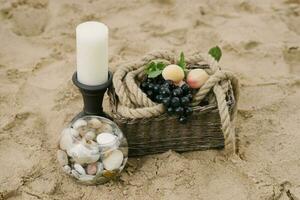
{"x":150,"y":67}
{"x":154,"y":74}
{"x":154,"y":69}
{"x":216,"y":53}
{"x":181,"y":62}
{"x":160,"y":65}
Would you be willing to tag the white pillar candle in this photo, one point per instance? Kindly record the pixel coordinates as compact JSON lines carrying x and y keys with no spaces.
{"x":92,"y":53}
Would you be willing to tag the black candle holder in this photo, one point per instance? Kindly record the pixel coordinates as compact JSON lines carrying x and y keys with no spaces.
{"x":92,"y":97}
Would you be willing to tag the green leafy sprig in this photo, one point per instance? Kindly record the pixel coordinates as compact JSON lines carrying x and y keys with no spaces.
{"x":216,"y":52}
{"x":181,"y":62}
{"x":154,"y":69}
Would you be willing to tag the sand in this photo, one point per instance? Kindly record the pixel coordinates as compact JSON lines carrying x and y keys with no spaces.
{"x":260,"y":42}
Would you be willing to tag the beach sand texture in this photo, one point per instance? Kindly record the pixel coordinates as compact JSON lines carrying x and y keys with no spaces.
{"x":260,"y":42}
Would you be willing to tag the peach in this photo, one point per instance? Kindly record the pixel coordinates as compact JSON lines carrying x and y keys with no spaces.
{"x":196,"y":78}
{"x":173,"y":73}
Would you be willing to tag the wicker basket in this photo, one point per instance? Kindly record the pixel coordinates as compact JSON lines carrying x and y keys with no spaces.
{"x":159,"y":133}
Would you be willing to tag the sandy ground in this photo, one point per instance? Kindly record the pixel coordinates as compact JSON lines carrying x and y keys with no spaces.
{"x":260,"y":42}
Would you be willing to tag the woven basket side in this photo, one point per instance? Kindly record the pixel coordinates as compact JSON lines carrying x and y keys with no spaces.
{"x":202,"y":132}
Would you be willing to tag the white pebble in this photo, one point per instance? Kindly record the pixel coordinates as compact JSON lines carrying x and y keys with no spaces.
{"x":95,"y":123}
{"x":66,"y":140}
{"x":62,"y":157}
{"x":91,"y":169}
{"x":67,"y":169}
{"x":114,"y":160}
{"x":90,"y":135}
{"x":85,"y":153}
{"x":106,"y":128}
{"x":79,"y":123}
{"x":79,"y":169}
{"x":86,"y":178}
{"x":106,"y":138}
{"x":100,"y":167}
{"x":75,"y":173}
{"x":74,"y":132}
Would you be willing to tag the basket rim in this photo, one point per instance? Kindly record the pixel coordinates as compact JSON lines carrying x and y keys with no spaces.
{"x":196,"y":109}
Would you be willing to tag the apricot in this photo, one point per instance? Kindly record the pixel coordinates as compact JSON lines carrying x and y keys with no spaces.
{"x":196,"y":78}
{"x":173,"y":73}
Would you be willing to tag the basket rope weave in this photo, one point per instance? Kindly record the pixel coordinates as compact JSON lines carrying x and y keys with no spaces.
{"x":133,"y":103}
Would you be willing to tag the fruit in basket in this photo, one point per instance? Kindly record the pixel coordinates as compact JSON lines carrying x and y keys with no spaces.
{"x":166,"y":84}
{"x":179,"y":110}
{"x":173,"y":73}
{"x":144,"y":85}
{"x":159,"y":98}
{"x":190,"y":96}
{"x":170,"y":111}
{"x":188,"y":110}
{"x":180,"y":83}
{"x":175,"y":99}
{"x":185,"y":101}
{"x":185,"y":88}
{"x":182,"y":119}
{"x":166,"y":101}
{"x":165,"y":91}
{"x":196,"y":78}
{"x":177,"y":92}
{"x":175,"y":102}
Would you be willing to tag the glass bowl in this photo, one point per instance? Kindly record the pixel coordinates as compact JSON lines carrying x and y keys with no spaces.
{"x":93,"y":150}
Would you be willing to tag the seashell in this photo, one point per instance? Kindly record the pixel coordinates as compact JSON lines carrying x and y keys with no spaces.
{"x":79,"y":169}
{"x":75,"y":173}
{"x":106,"y":139}
{"x":75,"y":133}
{"x":67,"y":140}
{"x":105,"y":128}
{"x":67,"y":169}
{"x":95,"y":123}
{"x":92,"y":145}
{"x":72,"y":131}
{"x":91,"y":169}
{"x":86,"y":178}
{"x":196,"y":78}
{"x":114,"y":160}
{"x":100,"y":167}
{"x":83,"y":130}
{"x":83,"y":153}
{"x":90,"y":135}
{"x":79,"y":123}
{"x":62,"y":157}
{"x":173,"y":73}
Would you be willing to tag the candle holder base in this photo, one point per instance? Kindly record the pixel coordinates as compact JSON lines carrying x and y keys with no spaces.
{"x":92,"y":97}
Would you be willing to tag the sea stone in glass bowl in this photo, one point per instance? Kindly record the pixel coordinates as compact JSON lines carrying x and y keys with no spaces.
{"x":93,"y":150}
